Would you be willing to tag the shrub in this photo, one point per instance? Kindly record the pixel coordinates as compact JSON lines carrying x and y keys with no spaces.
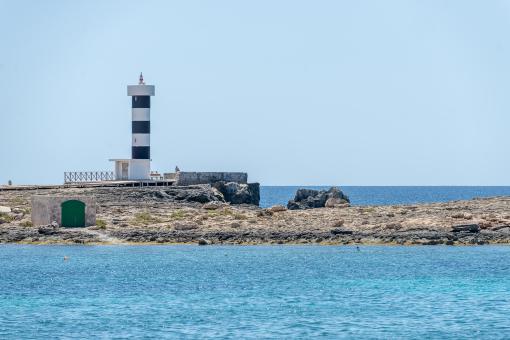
{"x":145,"y":217}
{"x":252,"y":221}
{"x":369,"y":210}
{"x":8,"y":219}
{"x":26,"y":210}
{"x":200,"y":222}
{"x":227,"y":212}
{"x":240,"y":217}
{"x":101,"y":223}
{"x":180,"y":213}
{"x":265,"y":212}
{"x":27,"y":224}
{"x":19,"y":201}
{"x":213,"y":211}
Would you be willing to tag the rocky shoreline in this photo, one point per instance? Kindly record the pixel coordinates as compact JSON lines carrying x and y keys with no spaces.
{"x":156,"y":216}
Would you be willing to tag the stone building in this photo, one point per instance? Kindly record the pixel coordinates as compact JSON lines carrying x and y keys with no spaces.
{"x":67,"y":211}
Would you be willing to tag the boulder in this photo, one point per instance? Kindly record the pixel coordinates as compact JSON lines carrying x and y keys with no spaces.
{"x":395,"y":226}
{"x":50,"y":228}
{"x":276,"y":208}
{"x":330,"y":203}
{"x":215,"y":205}
{"x":235,"y":225}
{"x":342,"y":205}
{"x":466,"y":227}
{"x":236,"y":193}
{"x":2,"y":220}
{"x":19,"y":211}
{"x":4,"y":210}
{"x":185,"y":225}
{"x":203,"y":242}
{"x":339,"y":223}
{"x":466,"y":216}
{"x":341,"y":232}
{"x":485,"y":225}
{"x":310,"y":199}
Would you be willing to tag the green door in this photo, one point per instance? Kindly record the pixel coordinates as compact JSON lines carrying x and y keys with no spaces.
{"x":73,"y":214}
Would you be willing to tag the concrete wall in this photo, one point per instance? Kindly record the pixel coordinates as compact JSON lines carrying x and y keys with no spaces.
{"x":140,"y":170}
{"x":46,"y":209}
{"x":191,"y":178}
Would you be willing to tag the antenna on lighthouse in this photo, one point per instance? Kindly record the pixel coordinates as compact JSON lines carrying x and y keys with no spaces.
{"x":141,"y":80}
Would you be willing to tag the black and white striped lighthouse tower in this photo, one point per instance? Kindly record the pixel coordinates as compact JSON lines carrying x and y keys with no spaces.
{"x":141,"y":119}
{"x":138,"y":167}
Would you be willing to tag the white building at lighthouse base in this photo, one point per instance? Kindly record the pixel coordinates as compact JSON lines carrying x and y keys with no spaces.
{"x":132,"y":169}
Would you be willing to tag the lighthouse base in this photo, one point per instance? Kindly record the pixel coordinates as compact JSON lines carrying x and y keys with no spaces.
{"x":132,"y":169}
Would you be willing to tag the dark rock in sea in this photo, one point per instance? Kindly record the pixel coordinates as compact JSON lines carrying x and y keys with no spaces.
{"x":236,"y":193}
{"x":310,"y":199}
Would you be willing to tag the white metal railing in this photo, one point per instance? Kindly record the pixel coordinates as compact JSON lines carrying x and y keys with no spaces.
{"x":89,"y":176}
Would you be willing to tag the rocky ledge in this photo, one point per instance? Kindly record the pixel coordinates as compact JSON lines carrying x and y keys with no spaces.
{"x":160,"y":217}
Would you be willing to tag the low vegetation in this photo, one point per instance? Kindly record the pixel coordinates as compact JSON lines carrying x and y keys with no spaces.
{"x":27,"y":224}
{"x":180,"y":213}
{"x":147,"y":219}
{"x":8,"y":219}
{"x":101,"y":223}
{"x":240,"y":217}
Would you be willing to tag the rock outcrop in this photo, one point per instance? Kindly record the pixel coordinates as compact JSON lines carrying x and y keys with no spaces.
{"x":236,"y":193}
{"x":310,"y":199}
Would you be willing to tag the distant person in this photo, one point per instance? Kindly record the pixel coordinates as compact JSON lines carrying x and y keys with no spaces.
{"x":177,"y":169}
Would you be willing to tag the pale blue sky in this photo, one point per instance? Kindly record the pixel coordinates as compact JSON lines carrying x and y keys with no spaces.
{"x":292,"y":92}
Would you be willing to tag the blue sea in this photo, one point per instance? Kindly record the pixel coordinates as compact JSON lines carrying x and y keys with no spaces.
{"x":254,"y":292}
{"x":261,"y":292}
{"x":385,"y":195}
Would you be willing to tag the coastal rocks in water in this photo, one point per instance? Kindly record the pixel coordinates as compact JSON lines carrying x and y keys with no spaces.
{"x":466,"y":227}
{"x":332,"y":202}
{"x":310,"y":199}
{"x":45,"y":229}
{"x":185,"y":225}
{"x":236,"y":193}
{"x":215,"y":205}
{"x":276,"y":208}
{"x":203,"y":242}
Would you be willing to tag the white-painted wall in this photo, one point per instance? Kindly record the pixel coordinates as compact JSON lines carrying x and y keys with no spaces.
{"x":141,"y":139}
{"x":140,"y":170}
{"x":141,"y":115}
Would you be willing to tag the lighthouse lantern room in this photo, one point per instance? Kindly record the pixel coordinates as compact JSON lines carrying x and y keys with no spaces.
{"x":138,"y":167}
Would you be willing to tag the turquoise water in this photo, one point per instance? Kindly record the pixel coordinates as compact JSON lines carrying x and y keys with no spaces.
{"x":378,"y":195}
{"x":330,"y":292}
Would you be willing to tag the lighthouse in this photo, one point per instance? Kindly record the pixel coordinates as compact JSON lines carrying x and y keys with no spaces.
{"x":138,"y":167}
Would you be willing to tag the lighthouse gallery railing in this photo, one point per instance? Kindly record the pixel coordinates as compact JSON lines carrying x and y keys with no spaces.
{"x":89,"y":176}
